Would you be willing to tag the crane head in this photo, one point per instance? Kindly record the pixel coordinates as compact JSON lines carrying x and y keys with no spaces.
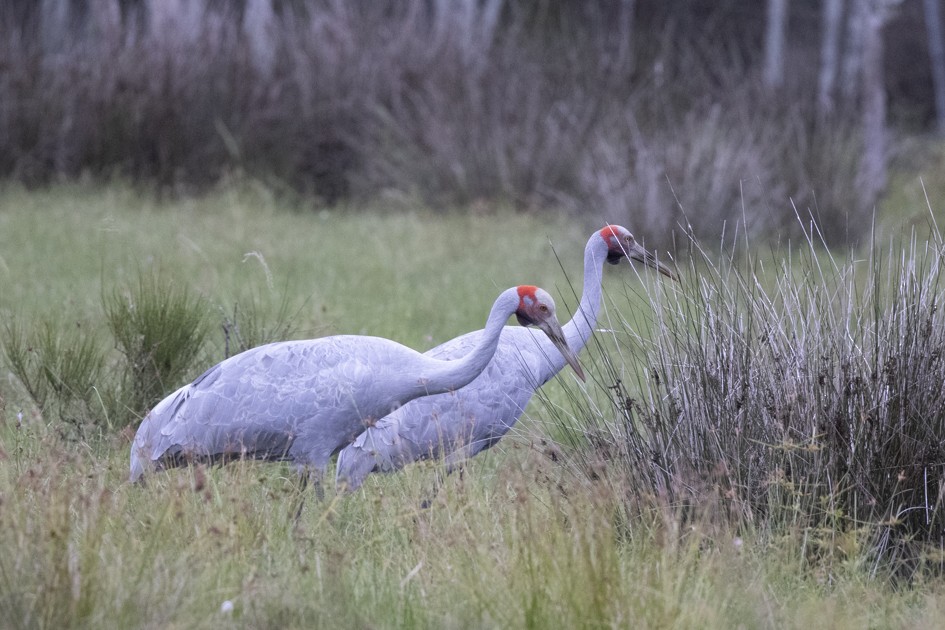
{"x":536,"y":308}
{"x":621,"y":244}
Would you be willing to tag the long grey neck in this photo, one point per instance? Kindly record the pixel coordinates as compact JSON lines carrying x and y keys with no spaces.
{"x":579,"y":329}
{"x":443,"y":376}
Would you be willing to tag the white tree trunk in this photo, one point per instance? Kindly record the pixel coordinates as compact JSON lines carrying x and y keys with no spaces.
{"x":933,"y":23}
{"x":851,"y":67}
{"x":873,"y":165}
{"x":829,"y":56}
{"x":259,"y":25}
{"x":774,"y":43}
{"x":54,"y":16}
{"x":626,"y":25}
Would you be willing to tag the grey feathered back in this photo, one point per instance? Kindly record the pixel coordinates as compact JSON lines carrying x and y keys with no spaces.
{"x":304,"y":400}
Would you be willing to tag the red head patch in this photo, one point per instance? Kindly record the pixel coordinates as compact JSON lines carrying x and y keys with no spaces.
{"x":526,"y":295}
{"x":618,"y":240}
{"x":611,"y":231}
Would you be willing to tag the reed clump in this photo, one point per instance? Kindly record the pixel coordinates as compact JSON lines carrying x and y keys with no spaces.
{"x":798,"y":397}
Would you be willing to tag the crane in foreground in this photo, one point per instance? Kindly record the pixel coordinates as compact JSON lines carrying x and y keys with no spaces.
{"x":459,"y":424}
{"x":303,"y":400}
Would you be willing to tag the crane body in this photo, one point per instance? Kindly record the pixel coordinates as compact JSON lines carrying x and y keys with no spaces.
{"x":304,"y":400}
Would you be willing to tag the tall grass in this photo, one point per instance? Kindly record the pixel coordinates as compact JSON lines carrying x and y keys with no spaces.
{"x":82,"y":548}
{"x":797,"y":396}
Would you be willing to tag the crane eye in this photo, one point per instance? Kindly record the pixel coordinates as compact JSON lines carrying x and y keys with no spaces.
{"x":543,"y":308}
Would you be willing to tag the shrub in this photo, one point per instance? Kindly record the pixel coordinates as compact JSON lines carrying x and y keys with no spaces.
{"x":255,"y":323}
{"x":160,"y":328}
{"x":798,"y":396}
{"x":61,"y":368}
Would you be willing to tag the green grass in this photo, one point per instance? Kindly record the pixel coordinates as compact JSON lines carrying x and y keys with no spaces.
{"x":517,"y":541}
{"x":412,"y":276}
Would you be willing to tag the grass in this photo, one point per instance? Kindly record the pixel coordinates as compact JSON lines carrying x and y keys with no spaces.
{"x":518,"y":541}
{"x":347,"y":272}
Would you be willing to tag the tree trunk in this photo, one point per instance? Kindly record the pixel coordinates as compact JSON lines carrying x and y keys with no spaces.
{"x":54,"y":25}
{"x":829,"y":56}
{"x":873,"y":165}
{"x":259,"y":19}
{"x":851,"y":66}
{"x":933,"y":24}
{"x":774,"y":43}
{"x":626,"y":24}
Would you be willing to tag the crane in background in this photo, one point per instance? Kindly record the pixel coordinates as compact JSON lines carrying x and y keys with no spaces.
{"x":459,"y":424}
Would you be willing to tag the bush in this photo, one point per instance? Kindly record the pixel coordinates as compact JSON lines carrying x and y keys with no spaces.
{"x":255,"y":324}
{"x":62,"y":369}
{"x":797,"y":396}
{"x":160,"y":328}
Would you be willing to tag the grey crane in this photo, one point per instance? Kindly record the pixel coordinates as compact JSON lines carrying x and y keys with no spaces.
{"x":303,"y":400}
{"x":459,"y":424}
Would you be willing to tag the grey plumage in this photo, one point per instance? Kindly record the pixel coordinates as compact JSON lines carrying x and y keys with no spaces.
{"x":459,"y":424}
{"x":303,"y":400}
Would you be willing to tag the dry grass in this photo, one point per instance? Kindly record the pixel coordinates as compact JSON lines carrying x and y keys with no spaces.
{"x":796,"y":396}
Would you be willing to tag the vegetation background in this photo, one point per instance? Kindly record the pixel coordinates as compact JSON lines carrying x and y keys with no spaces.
{"x":643,"y":112}
{"x":759,"y":445}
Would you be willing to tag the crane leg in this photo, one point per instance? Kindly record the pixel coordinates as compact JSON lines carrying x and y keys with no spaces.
{"x":438,"y":480}
{"x":299,"y":500}
{"x":454,"y":462}
{"x":308,"y":474}
{"x":427,"y":502}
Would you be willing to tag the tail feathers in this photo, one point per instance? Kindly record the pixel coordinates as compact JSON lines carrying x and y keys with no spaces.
{"x":136,"y":470}
{"x":139,"y":459}
{"x":141,"y":447}
{"x":138,"y":466}
{"x":372,"y":451}
{"x":149,"y":429}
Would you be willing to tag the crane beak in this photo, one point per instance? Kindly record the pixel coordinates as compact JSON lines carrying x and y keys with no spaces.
{"x":639,"y":254}
{"x":552,"y":328}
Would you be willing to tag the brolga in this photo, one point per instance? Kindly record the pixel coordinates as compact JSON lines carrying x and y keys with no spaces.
{"x":303,"y":400}
{"x":459,"y":424}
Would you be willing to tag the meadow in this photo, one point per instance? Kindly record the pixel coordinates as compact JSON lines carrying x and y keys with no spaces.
{"x":565,"y":523}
